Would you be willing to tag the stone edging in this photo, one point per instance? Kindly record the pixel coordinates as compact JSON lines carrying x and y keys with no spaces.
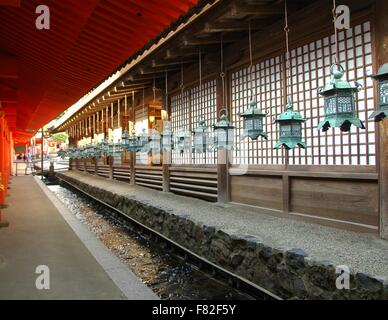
{"x":288,"y":273}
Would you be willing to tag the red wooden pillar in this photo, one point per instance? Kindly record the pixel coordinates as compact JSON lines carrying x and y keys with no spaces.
{"x":4,"y":165}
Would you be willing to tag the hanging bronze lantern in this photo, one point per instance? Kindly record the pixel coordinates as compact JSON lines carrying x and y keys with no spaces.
{"x":167,"y":137}
{"x":155,"y":141}
{"x":290,"y":127}
{"x":339,"y":96}
{"x":382,"y":78}
{"x":142,"y":141}
{"x":183,"y":141}
{"x":201,"y":137}
{"x":253,"y":122}
{"x":223,"y":133}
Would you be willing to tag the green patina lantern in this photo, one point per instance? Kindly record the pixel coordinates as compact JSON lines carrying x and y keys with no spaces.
{"x":201,"y":137}
{"x":183,"y":141}
{"x":167,"y":137}
{"x":155,"y":141}
{"x":97,"y":151}
{"x":129,"y":141}
{"x":290,"y":123}
{"x":104,"y":147}
{"x":339,"y":96}
{"x":62,"y":154}
{"x":382,"y":78}
{"x":114,"y":149}
{"x":253,"y":122}
{"x":223,"y":133}
{"x":142,"y":141}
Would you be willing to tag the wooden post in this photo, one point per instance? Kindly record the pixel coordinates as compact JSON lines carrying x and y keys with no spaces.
{"x":133,"y":169}
{"x":222,"y":155}
{"x":111,"y":160}
{"x":166,"y":170}
{"x":382,"y":57}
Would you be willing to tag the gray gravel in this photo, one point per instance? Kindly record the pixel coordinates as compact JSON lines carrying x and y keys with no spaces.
{"x":361,"y":252}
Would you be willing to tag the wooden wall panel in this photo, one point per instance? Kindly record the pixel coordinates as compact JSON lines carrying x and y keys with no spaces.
{"x":260,"y":191}
{"x":355,"y":201}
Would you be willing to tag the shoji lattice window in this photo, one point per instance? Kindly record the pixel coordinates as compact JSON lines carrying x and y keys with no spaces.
{"x":310,"y":71}
{"x":141,"y":122}
{"x":268,"y":89}
{"x":186,"y":110}
{"x":180,"y":121}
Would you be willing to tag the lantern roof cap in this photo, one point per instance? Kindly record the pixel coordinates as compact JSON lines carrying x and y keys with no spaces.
{"x":183,"y":134}
{"x":337,"y":82}
{"x":201,"y":126}
{"x":252,"y":110}
{"x":290,"y":114}
{"x":223,"y":123}
{"x":383,"y":72}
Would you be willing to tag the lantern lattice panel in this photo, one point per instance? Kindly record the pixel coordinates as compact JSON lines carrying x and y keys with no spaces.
{"x":186,"y":111}
{"x":310,"y":71}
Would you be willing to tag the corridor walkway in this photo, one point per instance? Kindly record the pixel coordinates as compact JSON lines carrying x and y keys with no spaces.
{"x":39,"y":235}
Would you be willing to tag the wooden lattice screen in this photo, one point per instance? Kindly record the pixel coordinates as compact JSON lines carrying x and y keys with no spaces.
{"x":186,"y":109}
{"x":310,"y":70}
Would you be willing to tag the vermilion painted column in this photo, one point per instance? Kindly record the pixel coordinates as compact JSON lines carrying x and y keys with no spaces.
{"x":4,"y":164}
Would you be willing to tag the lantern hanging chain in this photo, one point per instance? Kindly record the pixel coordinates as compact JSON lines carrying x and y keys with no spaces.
{"x":154,"y":89}
{"x":182,"y":86}
{"x":144,"y":106}
{"x":222,"y":75}
{"x":133,"y":110}
{"x":288,"y":62}
{"x":166,"y":92}
{"x":336,"y":59}
{"x":200,"y":84}
{"x":251,"y":60}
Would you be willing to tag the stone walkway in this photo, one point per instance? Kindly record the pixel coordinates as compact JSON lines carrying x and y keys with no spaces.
{"x":43,"y":232}
{"x":361,"y":252}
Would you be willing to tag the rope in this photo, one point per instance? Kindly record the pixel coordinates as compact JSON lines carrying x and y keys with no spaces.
{"x":222,"y":75}
{"x":154,"y":90}
{"x":200,"y":84}
{"x":336,"y":59}
{"x":288,"y":62}
{"x":251,"y":60}
{"x":166,"y":93}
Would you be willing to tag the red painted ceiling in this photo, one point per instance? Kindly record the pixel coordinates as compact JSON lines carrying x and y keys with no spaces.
{"x":42,"y":72}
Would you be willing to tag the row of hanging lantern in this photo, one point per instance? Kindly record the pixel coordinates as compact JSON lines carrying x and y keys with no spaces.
{"x":339,"y":112}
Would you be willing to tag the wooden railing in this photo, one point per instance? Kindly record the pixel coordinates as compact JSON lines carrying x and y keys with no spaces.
{"x":195,"y":182}
{"x":103,"y":171}
{"x":122,"y":173}
{"x":150,"y":177}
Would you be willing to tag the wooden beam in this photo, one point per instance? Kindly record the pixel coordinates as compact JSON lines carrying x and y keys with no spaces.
{"x":241,"y":9}
{"x":235,"y":26}
{"x":211,"y":40}
{"x":382,"y":57}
